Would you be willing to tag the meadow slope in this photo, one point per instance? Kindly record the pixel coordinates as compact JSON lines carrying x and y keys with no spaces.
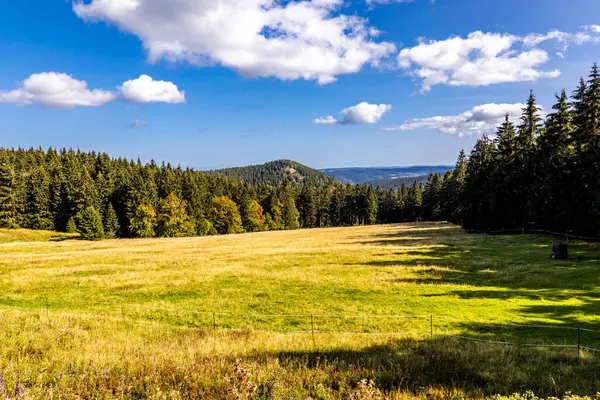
{"x":107,"y":315}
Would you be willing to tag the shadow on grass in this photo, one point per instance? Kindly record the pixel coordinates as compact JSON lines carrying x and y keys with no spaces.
{"x":59,"y":238}
{"x":500,"y":267}
{"x":454,"y":365}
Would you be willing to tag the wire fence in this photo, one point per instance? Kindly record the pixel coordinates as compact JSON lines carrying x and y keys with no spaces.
{"x":421,"y":326}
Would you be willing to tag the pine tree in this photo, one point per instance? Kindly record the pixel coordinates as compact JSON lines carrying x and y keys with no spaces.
{"x":335,"y":207}
{"x":89,"y":224}
{"x":592,"y":108}
{"x":478,"y":188}
{"x":290,"y":215}
{"x":9,"y":207}
{"x":273,"y":212}
{"x":432,"y":209}
{"x":414,"y":201}
{"x":37,"y":212}
{"x":371,"y":207}
{"x":529,"y":131}
{"x":71,"y":226}
{"x":454,"y":196}
{"x":111,"y":222}
{"x":530,"y":125}
{"x":307,"y":207}
{"x":553,"y":186}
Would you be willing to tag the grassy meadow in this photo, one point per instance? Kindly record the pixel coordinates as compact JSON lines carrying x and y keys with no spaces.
{"x":295,"y":314}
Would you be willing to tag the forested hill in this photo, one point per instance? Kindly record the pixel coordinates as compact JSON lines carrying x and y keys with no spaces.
{"x":276,"y":172}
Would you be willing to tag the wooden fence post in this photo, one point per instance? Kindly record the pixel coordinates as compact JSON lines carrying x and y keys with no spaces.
{"x":579,"y":343}
{"x":47,"y":311}
{"x":312,"y":329}
{"x":431,"y":326}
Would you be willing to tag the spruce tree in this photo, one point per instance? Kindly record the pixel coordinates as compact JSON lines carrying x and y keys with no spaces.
{"x":553,"y":186}
{"x":307,"y":206}
{"x":579,"y":115}
{"x":290,"y":215}
{"x":89,"y":224}
{"x":478,"y":188}
{"x":371,"y":207}
{"x":38,"y":213}
{"x":454,"y":196}
{"x":9,"y":207}
{"x":71,"y":226}
{"x":111,"y":222}
{"x":530,"y":125}
{"x":529,"y":131}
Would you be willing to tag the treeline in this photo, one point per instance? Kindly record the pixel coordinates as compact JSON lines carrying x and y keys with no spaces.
{"x":100,"y":197}
{"x":541,"y":174}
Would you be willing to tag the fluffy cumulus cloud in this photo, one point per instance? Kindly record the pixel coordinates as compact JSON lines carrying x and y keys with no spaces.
{"x":56,"y":90}
{"x":288,"y":40}
{"x":483,"y":59}
{"x":363,"y":113}
{"x":481,"y":120}
{"x":147,"y":90}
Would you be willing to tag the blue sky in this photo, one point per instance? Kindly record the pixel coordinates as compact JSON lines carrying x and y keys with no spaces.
{"x":241,"y":82}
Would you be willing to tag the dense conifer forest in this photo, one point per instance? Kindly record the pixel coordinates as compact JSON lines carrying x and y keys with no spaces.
{"x":101,"y":197}
{"x":543,"y":173}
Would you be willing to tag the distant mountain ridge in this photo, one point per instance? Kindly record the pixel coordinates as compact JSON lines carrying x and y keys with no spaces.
{"x":397,"y":182}
{"x":275,"y":172}
{"x":367,"y":175}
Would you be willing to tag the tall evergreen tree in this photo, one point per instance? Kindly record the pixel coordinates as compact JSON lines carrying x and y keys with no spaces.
{"x":89,"y":224}
{"x":110,"y":222}
{"x":9,"y":204}
{"x":307,"y":206}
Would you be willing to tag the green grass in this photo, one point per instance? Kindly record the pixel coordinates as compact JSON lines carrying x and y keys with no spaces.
{"x":27,"y":235}
{"x":99,"y":291}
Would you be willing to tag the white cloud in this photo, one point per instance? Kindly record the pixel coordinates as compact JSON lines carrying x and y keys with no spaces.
{"x":288,"y":40}
{"x":362,"y":113}
{"x":533,"y":39}
{"x":138,"y":123}
{"x":483,"y":59}
{"x":593,"y":28}
{"x":329,"y":120}
{"x":56,"y":90}
{"x":146,"y":90}
{"x":365,"y":113}
{"x":483,"y":119}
